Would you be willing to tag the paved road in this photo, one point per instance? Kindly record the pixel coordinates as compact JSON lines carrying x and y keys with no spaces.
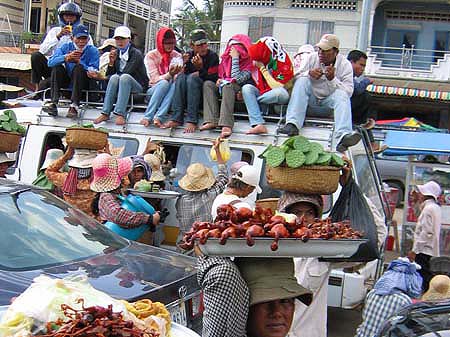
{"x":342,"y":322}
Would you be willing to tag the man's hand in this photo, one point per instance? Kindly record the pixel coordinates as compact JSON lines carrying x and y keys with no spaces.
{"x":112,"y":56}
{"x":197,"y":61}
{"x":330,"y":72}
{"x":316,"y":73}
{"x":218,"y":82}
{"x":94,"y":75}
{"x":73,"y":56}
{"x":186,"y":57}
{"x":234,"y":52}
{"x":346,"y":171}
{"x":175,"y":69}
{"x":370,"y":80}
{"x":64,"y":31}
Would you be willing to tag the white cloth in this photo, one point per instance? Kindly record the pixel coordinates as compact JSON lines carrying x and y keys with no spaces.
{"x":224,"y":199}
{"x":51,"y":42}
{"x":123,"y":59}
{"x":103,"y":64}
{"x":428,"y":229}
{"x":323,"y":88}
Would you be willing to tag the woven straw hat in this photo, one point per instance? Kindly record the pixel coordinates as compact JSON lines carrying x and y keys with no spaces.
{"x":125,"y":165}
{"x":106,"y":173}
{"x":439,"y":288}
{"x":153,"y":161}
{"x":82,"y":158}
{"x":51,"y":156}
{"x":198,"y":177}
{"x":157,"y":175}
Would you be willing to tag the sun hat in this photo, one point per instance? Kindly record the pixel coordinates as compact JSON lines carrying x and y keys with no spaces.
{"x":5,"y":159}
{"x":108,"y":43}
{"x":122,"y":31}
{"x":271,"y":279}
{"x":249,"y":175}
{"x":125,"y":165}
{"x":51,"y":156}
{"x":106,"y":173}
{"x":431,"y":189}
{"x":288,"y":199}
{"x":157,"y":175}
{"x":80,"y":30}
{"x":236,"y":166}
{"x":153,"y":161}
{"x":439,"y":288}
{"x":82,"y":158}
{"x":305,"y":49}
{"x":198,"y":37}
{"x":198,"y":177}
{"x":328,"y":41}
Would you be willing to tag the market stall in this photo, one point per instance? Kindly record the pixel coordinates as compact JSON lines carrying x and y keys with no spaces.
{"x":433,"y":150}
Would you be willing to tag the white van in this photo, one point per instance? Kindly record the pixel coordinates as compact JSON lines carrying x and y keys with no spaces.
{"x":182,"y":149}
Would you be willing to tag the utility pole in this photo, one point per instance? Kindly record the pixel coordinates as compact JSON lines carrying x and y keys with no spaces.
{"x":26,"y":15}
{"x":125,"y":20}
{"x":98,"y":33}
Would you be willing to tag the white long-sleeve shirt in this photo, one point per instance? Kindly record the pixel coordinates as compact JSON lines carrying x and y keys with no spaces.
{"x":51,"y":42}
{"x":428,"y":229}
{"x":322,"y":88}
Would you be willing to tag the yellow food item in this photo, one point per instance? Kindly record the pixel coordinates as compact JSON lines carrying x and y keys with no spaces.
{"x":145,"y":308}
{"x":69,"y":27}
{"x":224,"y":149}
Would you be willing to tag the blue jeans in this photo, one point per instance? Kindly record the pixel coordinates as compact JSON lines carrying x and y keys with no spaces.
{"x":253,"y":99}
{"x":118,"y":91}
{"x":338,"y":101}
{"x":188,"y":95}
{"x":160,"y":95}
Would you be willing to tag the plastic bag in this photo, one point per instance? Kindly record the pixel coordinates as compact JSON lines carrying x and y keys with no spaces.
{"x":224,"y":149}
{"x":351,"y":205}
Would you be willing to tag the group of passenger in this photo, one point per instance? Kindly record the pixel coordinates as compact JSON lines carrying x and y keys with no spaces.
{"x":260,"y":73}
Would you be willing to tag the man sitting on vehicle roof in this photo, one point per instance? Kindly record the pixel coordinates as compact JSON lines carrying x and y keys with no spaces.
{"x":326,"y":80}
{"x":69,"y":16}
{"x":70,"y":64}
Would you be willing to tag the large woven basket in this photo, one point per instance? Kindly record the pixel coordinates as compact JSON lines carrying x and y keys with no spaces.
{"x":9,"y":141}
{"x":271,"y":203}
{"x":86,"y":138}
{"x":307,"y":179}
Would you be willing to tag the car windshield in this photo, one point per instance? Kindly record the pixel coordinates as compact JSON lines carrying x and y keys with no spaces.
{"x":39,"y":230}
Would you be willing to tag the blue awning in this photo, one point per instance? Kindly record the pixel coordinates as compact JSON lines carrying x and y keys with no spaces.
{"x":404,"y":143}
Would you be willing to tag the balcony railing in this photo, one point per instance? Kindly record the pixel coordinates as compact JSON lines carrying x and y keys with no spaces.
{"x":407,"y":57}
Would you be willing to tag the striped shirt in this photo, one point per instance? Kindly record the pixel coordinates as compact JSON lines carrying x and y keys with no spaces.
{"x":377,"y":309}
{"x":240,"y":76}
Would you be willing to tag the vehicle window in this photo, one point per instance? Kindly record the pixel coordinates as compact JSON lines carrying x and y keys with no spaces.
{"x":40,"y":230}
{"x":123,"y":146}
{"x":53,"y":140}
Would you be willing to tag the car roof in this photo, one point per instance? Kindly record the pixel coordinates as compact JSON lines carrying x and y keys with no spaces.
{"x":9,"y":186}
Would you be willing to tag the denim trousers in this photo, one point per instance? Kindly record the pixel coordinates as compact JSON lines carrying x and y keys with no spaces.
{"x":188,"y":96}
{"x":118,"y":91}
{"x":160,"y":98}
{"x":253,"y":99}
{"x":338,"y":101}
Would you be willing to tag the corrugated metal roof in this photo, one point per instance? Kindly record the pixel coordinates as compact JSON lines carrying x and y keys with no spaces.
{"x":15,"y":61}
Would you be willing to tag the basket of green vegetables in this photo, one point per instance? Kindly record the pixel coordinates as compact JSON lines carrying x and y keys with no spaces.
{"x":87,"y":137}
{"x":10,"y":132}
{"x":302,"y":166}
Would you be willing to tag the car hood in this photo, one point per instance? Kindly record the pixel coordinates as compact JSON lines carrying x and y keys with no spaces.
{"x":129,"y":273}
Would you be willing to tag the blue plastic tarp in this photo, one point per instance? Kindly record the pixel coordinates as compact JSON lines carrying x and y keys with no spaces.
{"x":404,"y":143}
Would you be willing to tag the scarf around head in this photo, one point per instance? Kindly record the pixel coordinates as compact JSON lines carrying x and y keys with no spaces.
{"x":245,"y":62}
{"x":163,"y":67}
{"x":139,"y":161}
{"x":270,"y":52}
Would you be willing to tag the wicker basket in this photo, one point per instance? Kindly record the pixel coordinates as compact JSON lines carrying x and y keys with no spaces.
{"x":271,"y":203}
{"x":10,"y":141}
{"x":86,"y":138}
{"x":307,"y":179}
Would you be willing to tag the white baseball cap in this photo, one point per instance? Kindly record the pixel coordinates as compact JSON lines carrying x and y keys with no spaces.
{"x":249,"y":175}
{"x":431,"y":189}
{"x":5,"y":159}
{"x":122,"y":31}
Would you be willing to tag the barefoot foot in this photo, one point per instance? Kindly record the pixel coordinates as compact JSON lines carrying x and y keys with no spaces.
{"x":226,"y":132}
{"x":145,"y":122}
{"x":190,"y":127}
{"x":260,"y":128}
{"x":208,"y":126}
{"x":101,"y":118}
{"x":171,"y":124}
{"x":157,"y":122}
{"x":120,"y":120}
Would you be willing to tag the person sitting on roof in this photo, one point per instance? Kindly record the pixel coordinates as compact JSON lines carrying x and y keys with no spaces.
{"x":326,"y":80}
{"x":163,"y":65}
{"x":235,"y":70}
{"x":272,"y":80}
{"x":69,"y":16}
{"x":126,"y":75}
{"x":70,"y":64}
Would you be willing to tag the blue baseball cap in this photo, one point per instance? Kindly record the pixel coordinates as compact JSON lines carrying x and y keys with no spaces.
{"x":80,"y":30}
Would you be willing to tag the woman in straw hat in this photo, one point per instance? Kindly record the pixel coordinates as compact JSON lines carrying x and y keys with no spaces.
{"x":201,"y":188}
{"x":41,"y":180}
{"x":108,"y":174}
{"x":439,"y":289}
{"x":428,"y":229}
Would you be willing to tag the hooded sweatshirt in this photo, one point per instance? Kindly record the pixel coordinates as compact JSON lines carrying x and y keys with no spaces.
{"x":236,"y":69}
{"x":157,"y":61}
{"x":277,"y":70}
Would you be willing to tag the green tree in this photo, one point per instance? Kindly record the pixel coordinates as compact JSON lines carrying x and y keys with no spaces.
{"x":208,"y":17}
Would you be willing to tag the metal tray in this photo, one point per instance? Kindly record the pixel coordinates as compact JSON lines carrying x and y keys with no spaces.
{"x":156,"y":195}
{"x":342,"y":248}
